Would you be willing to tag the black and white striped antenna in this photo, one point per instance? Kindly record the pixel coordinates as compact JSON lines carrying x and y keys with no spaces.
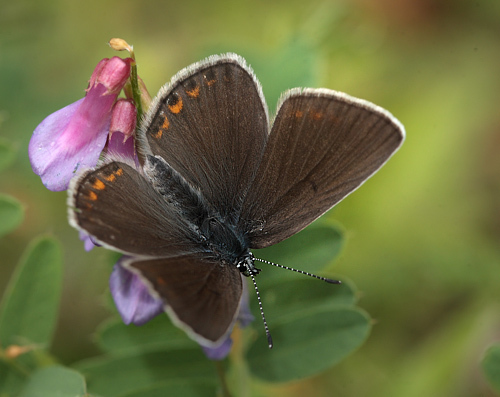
{"x":328,"y":280}
{"x":268,"y":333}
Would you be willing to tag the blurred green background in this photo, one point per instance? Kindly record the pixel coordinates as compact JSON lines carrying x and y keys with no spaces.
{"x":422,"y":235}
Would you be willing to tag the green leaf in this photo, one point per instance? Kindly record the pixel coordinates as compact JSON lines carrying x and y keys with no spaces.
{"x":308,"y":344}
{"x":292,"y":297}
{"x":114,"y":376}
{"x":30,"y":305}
{"x":11,"y":380}
{"x":11,"y":214}
{"x":55,"y":381}
{"x":178,"y":387}
{"x":7,"y":153}
{"x":159,"y":333}
{"x":310,"y":250}
{"x":491,"y":366}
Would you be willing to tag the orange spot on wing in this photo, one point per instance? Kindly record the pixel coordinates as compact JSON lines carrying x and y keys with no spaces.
{"x":119,"y":172}
{"x":177,"y":106}
{"x":98,"y":185}
{"x":162,"y":129}
{"x":195,"y":92}
{"x":299,"y":114}
{"x":92,"y":196}
{"x":211,"y":82}
{"x":316,"y":115}
{"x":110,"y":178}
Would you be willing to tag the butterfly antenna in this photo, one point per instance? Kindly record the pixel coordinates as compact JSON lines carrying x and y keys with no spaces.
{"x":268,"y":334}
{"x":328,"y":280}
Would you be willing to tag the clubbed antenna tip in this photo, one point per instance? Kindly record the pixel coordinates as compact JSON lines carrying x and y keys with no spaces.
{"x":329,"y":280}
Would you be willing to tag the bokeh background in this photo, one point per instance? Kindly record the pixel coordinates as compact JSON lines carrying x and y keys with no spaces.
{"x":422,"y":235}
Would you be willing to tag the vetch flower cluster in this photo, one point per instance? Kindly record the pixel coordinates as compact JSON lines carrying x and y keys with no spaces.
{"x":74,"y":137}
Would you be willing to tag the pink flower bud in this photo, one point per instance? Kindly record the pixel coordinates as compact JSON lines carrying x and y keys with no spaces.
{"x":123,"y":118}
{"x":111,"y":73}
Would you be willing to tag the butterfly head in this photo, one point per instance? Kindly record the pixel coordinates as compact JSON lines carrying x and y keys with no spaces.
{"x":246,"y":265}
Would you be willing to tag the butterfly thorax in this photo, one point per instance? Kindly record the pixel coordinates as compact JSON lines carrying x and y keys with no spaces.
{"x":227,"y":245}
{"x":221,"y":239}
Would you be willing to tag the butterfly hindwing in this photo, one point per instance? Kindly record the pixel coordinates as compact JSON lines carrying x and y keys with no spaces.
{"x":201,"y":295}
{"x":323,"y":145}
{"x":119,"y":207}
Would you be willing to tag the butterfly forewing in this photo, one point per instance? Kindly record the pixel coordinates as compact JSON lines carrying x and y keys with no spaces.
{"x":211,"y":125}
{"x":121,"y":210}
{"x":201,"y":295}
{"x":322,"y":146}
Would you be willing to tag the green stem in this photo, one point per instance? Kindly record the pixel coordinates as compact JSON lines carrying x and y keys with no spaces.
{"x":222,"y":378}
{"x":136,"y":93}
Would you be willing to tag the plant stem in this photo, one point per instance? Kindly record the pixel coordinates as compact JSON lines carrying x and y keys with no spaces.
{"x":222,"y":378}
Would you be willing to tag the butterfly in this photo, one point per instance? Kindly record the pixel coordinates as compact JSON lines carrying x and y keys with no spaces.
{"x":218,"y":179}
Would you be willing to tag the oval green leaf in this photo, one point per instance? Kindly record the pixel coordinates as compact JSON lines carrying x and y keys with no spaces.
{"x":159,"y":333}
{"x":55,"y":381}
{"x":114,"y":376}
{"x":287,"y":298}
{"x":491,"y":366}
{"x":309,"y":344}
{"x":11,"y":214}
{"x":178,"y":387}
{"x":28,"y":311}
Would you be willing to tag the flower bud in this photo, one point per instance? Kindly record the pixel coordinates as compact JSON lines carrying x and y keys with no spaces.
{"x":120,"y":45}
{"x":123,"y":118}
{"x":111,"y":73}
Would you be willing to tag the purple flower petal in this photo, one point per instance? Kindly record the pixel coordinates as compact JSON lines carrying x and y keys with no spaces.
{"x":132,"y":298}
{"x":219,"y":352}
{"x":119,"y":145}
{"x":88,"y":243}
{"x":71,"y":138}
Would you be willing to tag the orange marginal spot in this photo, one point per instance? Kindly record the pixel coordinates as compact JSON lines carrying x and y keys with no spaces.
{"x":119,"y":172}
{"x":299,"y":113}
{"x":165,"y":124}
{"x":98,"y":185}
{"x":92,"y":196}
{"x":316,"y":115}
{"x":177,"y":106}
{"x":194,"y":93}
{"x":110,"y":178}
{"x":211,"y":82}
{"x":159,"y":134}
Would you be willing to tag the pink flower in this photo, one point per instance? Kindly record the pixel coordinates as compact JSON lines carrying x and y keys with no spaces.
{"x":122,"y":130}
{"x":73,"y":137}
